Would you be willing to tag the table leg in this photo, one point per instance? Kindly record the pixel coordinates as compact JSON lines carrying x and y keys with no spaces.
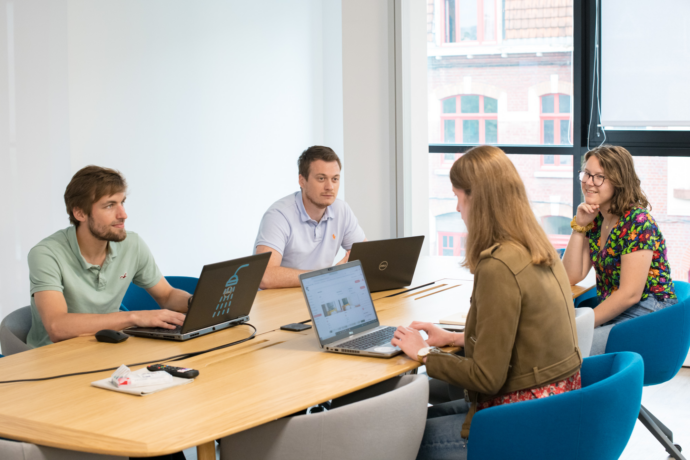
{"x":206,"y":451}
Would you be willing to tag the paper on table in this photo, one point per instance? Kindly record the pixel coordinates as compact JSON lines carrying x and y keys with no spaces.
{"x":107,"y":384}
{"x":458,"y":318}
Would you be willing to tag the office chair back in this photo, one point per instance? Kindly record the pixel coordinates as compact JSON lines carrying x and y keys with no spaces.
{"x":662,"y":339}
{"x":594,"y":422}
{"x":138,"y":299}
{"x":379,"y":422}
{"x":13,"y":331}
{"x":27,"y":451}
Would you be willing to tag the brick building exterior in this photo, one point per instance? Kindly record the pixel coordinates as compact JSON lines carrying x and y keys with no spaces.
{"x":500,"y":71}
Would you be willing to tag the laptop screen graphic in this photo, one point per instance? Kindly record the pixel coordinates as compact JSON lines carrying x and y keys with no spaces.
{"x":339,"y":302}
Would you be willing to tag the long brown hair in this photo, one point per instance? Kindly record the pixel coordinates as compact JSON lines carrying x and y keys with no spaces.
{"x":500,"y":211}
{"x":619,"y":169}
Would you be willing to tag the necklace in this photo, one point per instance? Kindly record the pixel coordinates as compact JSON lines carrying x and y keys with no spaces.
{"x":608,"y":225}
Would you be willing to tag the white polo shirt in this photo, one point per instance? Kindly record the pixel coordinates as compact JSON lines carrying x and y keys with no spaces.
{"x":304,"y":243}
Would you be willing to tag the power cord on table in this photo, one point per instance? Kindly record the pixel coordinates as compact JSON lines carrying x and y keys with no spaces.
{"x":170,"y":358}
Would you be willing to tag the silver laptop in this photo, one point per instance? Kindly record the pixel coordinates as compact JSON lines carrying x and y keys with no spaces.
{"x":343,"y":313}
{"x":222,"y":299}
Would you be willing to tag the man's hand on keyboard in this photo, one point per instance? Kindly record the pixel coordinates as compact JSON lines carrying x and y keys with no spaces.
{"x":163,"y":318}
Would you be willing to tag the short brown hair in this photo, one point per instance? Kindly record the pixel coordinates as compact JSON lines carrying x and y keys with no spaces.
{"x":313,"y":153}
{"x":619,"y":169}
{"x":500,"y":211}
{"x":88,"y":186}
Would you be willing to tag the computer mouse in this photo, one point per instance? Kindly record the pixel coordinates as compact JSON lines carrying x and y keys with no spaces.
{"x":110,"y":336}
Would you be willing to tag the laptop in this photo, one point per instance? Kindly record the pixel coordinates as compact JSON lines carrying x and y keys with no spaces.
{"x":388,"y":264}
{"x":343,"y":313}
{"x":222,"y":299}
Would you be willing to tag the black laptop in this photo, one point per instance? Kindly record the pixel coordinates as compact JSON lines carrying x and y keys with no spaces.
{"x":222,"y":299}
{"x":388,"y":264}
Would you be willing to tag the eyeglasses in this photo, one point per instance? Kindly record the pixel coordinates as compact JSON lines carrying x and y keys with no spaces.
{"x":597,"y":179}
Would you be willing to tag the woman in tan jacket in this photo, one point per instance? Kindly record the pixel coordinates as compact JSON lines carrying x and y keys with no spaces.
{"x":520,"y":339}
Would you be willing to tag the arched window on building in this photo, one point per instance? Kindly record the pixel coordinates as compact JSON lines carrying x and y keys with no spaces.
{"x":469,"y":22}
{"x":554,"y":114}
{"x":451,"y":234}
{"x":469,"y":119}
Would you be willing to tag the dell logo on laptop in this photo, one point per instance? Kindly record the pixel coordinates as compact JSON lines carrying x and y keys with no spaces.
{"x":383,"y":265}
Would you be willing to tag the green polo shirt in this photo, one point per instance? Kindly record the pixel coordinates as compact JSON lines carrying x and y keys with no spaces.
{"x":56,"y":264}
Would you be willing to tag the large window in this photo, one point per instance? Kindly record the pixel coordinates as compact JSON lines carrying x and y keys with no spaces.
{"x":548,"y":95}
{"x":499,"y":72}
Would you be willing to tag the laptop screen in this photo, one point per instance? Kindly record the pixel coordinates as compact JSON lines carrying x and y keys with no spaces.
{"x":340,"y":303}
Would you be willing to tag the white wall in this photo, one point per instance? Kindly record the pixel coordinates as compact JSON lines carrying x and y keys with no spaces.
{"x":367,"y":116}
{"x":204,"y":106}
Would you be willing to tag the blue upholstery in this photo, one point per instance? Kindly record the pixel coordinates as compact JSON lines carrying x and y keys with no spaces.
{"x":662,"y":338}
{"x":585,"y":296}
{"x":594,"y":422}
{"x":137,"y":298}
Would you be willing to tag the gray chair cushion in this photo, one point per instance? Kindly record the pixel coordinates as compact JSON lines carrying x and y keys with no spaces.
{"x":390,"y":425}
{"x":10,"y":450}
{"x":13,"y":331}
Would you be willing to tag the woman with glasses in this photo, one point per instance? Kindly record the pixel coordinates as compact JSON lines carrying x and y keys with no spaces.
{"x":614,"y":232}
{"x":520,"y":340}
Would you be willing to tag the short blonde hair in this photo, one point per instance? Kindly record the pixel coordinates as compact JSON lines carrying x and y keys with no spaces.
{"x":499,"y":211}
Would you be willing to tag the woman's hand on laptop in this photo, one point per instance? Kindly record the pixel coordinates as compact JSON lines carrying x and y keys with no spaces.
{"x":438,"y":337}
{"x":409,"y":340}
{"x":164,"y":318}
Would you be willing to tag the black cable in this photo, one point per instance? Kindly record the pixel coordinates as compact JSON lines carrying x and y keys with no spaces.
{"x":170,"y":358}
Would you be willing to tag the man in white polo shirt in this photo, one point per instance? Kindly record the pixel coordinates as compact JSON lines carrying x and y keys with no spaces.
{"x":304,"y":230}
{"x":79,"y":275}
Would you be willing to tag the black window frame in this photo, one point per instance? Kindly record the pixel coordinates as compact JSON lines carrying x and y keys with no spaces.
{"x":585,"y":99}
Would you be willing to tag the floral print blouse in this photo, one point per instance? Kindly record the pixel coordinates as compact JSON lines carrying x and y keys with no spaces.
{"x":636,"y":230}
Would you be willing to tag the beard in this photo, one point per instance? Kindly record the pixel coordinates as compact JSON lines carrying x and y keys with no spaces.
{"x":105,"y":233}
{"x":321,"y":205}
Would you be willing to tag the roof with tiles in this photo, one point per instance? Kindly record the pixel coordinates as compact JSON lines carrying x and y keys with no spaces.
{"x":538,"y":18}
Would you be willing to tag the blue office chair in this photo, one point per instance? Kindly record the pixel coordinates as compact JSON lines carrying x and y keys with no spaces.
{"x":594,"y":422}
{"x":662,"y":339}
{"x":138,"y":299}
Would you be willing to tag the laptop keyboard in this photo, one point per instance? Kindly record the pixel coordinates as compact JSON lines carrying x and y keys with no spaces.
{"x":380,"y":337}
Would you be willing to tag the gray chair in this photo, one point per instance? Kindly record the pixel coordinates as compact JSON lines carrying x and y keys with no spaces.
{"x":383,"y":421}
{"x":10,"y":450}
{"x":584,"y":322}
{"x":13,"y":331}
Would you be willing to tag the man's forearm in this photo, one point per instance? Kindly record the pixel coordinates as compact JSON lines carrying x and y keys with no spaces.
{"x":281,"y":277}
{"x":177,"y":301}
{"x":69,"y":325}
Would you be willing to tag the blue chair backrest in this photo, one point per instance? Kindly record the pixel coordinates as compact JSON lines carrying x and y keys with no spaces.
{"x":594,"y":422}
{"x":662,"y":338}
{"x":587,"y":295}
{"x":682,"y":289}
{"x":137,"y":298}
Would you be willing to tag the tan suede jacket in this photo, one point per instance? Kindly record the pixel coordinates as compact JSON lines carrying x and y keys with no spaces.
{"x":520,"y":330}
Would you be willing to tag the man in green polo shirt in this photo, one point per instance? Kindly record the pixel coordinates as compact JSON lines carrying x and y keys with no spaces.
{"x":79,"y":275}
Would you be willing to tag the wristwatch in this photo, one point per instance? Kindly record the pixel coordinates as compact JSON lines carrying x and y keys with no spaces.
{"x":424,"y":352}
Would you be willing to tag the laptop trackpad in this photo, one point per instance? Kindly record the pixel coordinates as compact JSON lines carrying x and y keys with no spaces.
{"x":385,"y":349}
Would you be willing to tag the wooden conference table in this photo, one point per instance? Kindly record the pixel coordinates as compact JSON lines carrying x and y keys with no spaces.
{"x":275,"y":374}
